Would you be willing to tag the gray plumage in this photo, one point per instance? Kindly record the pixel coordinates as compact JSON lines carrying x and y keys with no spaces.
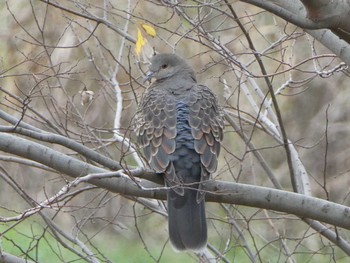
{"x":179,"y":126}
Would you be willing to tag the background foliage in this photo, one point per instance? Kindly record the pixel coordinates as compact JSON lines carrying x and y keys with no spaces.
{"x":70,"y":68}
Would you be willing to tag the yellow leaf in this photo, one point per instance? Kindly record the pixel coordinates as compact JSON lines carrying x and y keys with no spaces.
{"x":149,"y":30}
{"x":140,"y":42}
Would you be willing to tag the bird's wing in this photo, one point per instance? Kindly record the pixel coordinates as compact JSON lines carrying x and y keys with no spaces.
{"x":155,"y":122}
{"x":206,"y":122}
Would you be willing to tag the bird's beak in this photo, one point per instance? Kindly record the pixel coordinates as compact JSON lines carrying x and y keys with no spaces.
{"x":149,"y":76}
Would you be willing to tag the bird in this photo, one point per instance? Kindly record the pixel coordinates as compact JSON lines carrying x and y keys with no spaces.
{"x":179,"y":126}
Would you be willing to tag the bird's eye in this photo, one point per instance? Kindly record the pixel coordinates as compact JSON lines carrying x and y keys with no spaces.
{"x":164,"y":66}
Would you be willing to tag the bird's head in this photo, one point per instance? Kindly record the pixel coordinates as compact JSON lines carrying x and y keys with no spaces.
{"x":165,"y":66}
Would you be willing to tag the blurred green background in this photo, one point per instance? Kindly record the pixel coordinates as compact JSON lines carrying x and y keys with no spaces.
{"x":49,"y":56}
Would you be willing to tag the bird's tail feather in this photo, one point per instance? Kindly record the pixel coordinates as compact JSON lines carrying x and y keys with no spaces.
{"x":187,"y":223}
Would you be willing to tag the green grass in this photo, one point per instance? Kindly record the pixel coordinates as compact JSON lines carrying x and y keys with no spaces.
{"x":29,"y":238}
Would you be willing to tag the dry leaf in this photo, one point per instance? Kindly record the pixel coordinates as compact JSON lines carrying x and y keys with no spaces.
{"x":86,"y":96}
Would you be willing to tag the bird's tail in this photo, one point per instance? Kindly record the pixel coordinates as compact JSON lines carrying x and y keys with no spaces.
{"x":187,"y":223}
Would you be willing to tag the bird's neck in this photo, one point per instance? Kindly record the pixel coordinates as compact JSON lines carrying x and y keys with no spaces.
{"x":177,"y":85}
{"x":179,"y":77}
